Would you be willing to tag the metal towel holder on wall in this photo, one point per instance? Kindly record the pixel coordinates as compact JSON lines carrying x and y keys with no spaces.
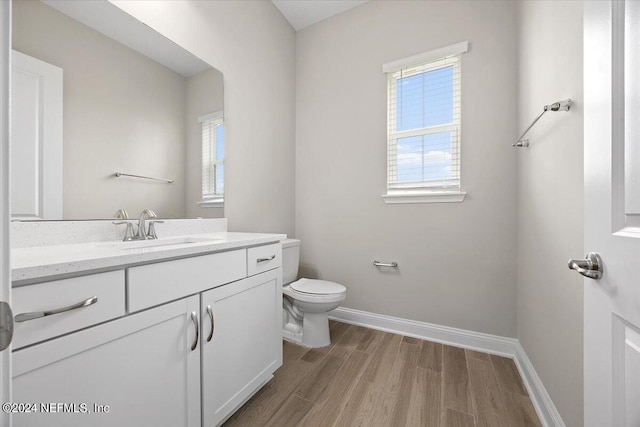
{"x":119,"y":174}
{"x":556,"y":106}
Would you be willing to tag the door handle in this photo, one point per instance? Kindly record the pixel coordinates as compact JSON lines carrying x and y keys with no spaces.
{"x":590,"y":267}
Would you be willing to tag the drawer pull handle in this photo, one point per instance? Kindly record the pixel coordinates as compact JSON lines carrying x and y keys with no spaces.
{"x":23,"y":317}
{"x":210,"y":313}
{"x":194,"y":318}
{"x":266,"y":259}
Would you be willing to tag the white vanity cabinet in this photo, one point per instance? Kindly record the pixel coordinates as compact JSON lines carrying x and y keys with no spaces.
{"x":139,"y":368}
{"x":241,"y":343}
{"x":185,"y":343}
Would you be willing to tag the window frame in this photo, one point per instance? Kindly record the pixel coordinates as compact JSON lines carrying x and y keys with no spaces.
{"x":216,"y":199}
{"x":428,"y":191}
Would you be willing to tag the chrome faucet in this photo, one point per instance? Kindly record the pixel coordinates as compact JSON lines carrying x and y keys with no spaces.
{"x":142,"y":229}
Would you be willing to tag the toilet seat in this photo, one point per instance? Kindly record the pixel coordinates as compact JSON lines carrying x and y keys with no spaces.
{"x":319,"y":291}
{"x":317,"y":287}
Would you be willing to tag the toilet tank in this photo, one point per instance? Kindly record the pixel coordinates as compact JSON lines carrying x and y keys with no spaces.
{"x":290,"y":260}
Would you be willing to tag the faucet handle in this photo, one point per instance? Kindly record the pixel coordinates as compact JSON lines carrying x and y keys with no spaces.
{"x":128,"y":234}
{"x":151,"y":234}
{"x":121,"y":214}
{"x":149,"y":213}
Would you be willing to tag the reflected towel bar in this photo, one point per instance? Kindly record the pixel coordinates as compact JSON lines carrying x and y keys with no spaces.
{"x":119,"y":174}
{"x":556,"y":106}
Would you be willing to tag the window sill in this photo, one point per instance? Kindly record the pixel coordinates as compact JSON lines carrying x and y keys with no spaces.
{"x":213,"y":203}
{"x":404,"y":197}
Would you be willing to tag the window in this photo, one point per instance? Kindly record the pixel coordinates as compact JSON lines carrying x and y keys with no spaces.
{"x":424,"y":118}
{"x":212,"y":159}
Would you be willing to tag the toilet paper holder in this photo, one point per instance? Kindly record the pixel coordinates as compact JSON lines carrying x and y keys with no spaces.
{"x":385,"y":264}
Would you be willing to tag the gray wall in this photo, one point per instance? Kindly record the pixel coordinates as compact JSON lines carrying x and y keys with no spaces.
{"x":254,"y":47}
{"x":457,"y":260}
{"x":122,"y":111}
{"x":550,"y":200}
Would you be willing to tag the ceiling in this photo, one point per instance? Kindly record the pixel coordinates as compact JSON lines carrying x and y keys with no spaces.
{"x":302,"y":13}
{"x":118,"y":25}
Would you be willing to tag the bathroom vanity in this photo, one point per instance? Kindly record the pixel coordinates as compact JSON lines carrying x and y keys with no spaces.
{"x":174,"y":334}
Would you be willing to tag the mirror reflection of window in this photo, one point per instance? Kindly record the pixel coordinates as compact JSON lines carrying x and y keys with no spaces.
{"x":212,"y":157}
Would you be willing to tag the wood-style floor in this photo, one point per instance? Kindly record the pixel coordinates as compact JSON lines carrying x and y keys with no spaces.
{"x":373,"y":378}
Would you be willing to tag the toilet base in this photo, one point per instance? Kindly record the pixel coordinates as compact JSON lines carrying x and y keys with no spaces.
{"x":315,"y":330}
{"x":313,"y":333}
{"x":292,"y":332}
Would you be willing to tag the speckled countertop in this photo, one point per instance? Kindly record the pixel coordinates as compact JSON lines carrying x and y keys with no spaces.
{"x":37,"y":264}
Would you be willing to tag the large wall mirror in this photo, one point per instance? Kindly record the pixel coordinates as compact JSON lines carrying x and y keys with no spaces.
{"x":98,"y":96}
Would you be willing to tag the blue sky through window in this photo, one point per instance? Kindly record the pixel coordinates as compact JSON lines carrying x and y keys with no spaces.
{"x":424,"y":100}
{"x":220,"y":142}
{"x":220,"y":179}
{"x":424,"y":158}
{"x":219,"y":157}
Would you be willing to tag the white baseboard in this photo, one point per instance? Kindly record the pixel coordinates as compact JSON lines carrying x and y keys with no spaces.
{"x":547,"y":411}
{"x":487,"y":343}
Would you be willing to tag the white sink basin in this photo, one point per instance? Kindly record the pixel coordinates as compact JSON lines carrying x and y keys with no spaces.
{"x":170,"y":241}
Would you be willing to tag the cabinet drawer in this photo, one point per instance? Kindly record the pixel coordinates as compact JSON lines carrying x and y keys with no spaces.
{"x":263,"y":258}
{"x":107,"y":288}
{"x":154,"y":284}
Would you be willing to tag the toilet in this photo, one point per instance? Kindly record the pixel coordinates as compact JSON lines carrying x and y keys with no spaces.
{"x":306,"y":302}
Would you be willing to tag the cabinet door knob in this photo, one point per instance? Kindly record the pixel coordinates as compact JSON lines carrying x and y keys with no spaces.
{"x":210,"y":313}
{"x":194,"y":318}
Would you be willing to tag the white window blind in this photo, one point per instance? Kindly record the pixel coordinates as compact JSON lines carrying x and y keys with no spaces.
{"x":424,"y":118}
{"x":212,"y":156}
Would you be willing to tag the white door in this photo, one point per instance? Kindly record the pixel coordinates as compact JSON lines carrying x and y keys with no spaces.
{"x":5,"y":271}
{"x":612,"y":212}
{"x":36,"y":138}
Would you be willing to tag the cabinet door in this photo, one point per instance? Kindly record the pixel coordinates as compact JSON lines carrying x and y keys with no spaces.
{"x":140,"y":367}
{"x":246,"y":346}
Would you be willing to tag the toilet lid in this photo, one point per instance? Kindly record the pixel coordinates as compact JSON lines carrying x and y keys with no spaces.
{"x":318,"y":287}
